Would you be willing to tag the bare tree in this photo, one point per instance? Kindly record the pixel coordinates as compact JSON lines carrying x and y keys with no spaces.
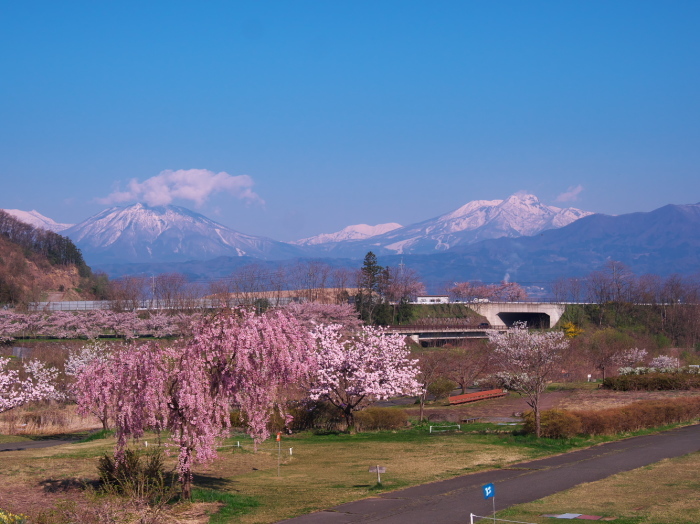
{"x":127,"y":293}
{"x":464,"y":365}
{"x":432,"y":367}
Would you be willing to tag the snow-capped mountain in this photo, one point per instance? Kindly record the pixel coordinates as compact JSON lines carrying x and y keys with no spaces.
{"x":36,"y":219}
{"x":518,"y":215}
{"x":139,"y":233}
{"x":356,"y":232}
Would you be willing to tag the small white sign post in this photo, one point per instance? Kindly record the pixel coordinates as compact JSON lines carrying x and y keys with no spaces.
{"x":378,"y":470}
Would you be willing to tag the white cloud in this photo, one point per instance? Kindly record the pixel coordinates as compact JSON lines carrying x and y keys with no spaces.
{"x":195,"y":185}
{"x":571,"y":194}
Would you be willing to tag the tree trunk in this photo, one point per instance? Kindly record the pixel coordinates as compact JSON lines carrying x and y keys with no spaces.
{"x":538,"y":427}
{"x":350,"y":421}
{"x":422,"y":405}
{"x":187,"y":487}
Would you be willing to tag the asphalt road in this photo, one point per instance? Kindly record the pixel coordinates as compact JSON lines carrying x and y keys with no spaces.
{"x":451,"y":501}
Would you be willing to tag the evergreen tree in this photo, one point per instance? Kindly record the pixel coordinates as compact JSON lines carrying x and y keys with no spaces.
{"x":368,"y":295}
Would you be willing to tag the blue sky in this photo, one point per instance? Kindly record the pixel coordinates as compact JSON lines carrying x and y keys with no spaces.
{"x":345,"y":112}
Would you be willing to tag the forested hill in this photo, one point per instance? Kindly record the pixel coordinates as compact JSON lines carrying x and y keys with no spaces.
{"x":36,"y":264}
{"x":56,"y":248}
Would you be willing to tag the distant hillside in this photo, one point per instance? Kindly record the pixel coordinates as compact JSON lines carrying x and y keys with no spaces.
{"x":36,"y":264}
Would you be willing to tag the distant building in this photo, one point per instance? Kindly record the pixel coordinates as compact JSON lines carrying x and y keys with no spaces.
{"x":433,"y":299}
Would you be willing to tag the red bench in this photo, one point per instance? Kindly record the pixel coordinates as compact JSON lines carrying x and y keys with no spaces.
{"x":479,"y":395}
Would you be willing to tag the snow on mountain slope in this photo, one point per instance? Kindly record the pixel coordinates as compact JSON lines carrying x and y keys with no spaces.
{"x":356,"y":232}
{"x":139,"y":233}
{"x":36,"y":219}
{"x":518,"y":215}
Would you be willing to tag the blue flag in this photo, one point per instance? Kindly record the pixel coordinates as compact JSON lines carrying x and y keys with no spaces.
{"x":489,"y":491}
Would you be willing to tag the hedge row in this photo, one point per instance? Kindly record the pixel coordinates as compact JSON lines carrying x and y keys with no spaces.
{"x":653,"y":382}
{"x":324,"y":416}
{"x":372,"y":419}
{"x":640,"y":415}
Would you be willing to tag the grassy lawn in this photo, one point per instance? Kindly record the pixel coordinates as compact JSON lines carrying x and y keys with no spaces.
{"x":667,"y":492}
{"x":323,"y":470}
{"x":326,"y":470}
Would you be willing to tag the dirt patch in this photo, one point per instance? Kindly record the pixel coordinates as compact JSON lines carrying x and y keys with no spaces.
{"x":491,"y":409}
{"x":573,"y":399}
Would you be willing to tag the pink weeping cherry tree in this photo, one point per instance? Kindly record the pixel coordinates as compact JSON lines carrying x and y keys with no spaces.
{"x":354,"y":371}
{"x":234,"y":359}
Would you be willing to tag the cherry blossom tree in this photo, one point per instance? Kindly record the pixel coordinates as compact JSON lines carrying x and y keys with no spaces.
{"x":358,"y":370}
{"x":630,"y":357}
{"x":234,"y":359}
{"x":312,"y":314}
{"x":88,"y":365}
{"x":504,"y":292}
{"x":39,"y":383}
{"x":528,"y":361}
{"x":664,"y":362}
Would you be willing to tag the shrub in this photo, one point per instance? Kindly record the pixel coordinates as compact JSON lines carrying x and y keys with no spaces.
{"x":139,"y":476}
{"x":441,"y":388}
{"x":380,"y":418}
{"x":10,"y":518}
{"x":653,"y":381}
{"x":640,"y":415}
{"x":555,"y":423}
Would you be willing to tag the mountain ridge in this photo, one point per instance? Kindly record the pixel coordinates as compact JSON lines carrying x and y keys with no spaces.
{"x":141,"y":233}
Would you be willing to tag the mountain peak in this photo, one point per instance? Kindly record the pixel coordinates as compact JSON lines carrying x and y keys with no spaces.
{"x":36,"y":219}
{"x":354,"y":232}
{"x":141,"y":233}
{"x":523,"y":198}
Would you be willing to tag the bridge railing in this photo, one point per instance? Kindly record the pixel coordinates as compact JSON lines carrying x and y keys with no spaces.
{"x":413,"y":328}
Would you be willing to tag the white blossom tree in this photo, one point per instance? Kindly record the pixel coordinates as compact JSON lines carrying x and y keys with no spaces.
{"x":528,"y":361}
{"x":664,"y":362}
{"x":39,"y":383}
{"x":355,"y":371}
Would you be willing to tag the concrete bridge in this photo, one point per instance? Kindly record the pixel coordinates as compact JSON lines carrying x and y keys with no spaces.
{"x":440,"y":334}
{"x":500,"y":316}
{"x":542,"y":315}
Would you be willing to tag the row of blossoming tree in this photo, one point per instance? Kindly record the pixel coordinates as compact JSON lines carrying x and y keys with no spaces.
{"x":93,"y":324}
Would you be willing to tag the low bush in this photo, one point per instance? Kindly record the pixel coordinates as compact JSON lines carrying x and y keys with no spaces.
{"x":653,"y":382}
{"x":372,"y":419}
{"x":140,"y":476}
{"x":554,"y":423}
{"x":10,"y":518}
{"x":441,"y":388}
{"x":640,"y":415}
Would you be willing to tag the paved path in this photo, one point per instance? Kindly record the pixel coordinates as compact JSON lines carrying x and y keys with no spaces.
{"x":32,"y":444}
{"x":451,"y":501}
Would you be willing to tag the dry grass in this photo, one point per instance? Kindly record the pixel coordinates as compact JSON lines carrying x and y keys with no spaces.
{"x":603,"y":398}
{"x":45,"y":419}
{"x":673,"y":485}
{"x":321,"y":473}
